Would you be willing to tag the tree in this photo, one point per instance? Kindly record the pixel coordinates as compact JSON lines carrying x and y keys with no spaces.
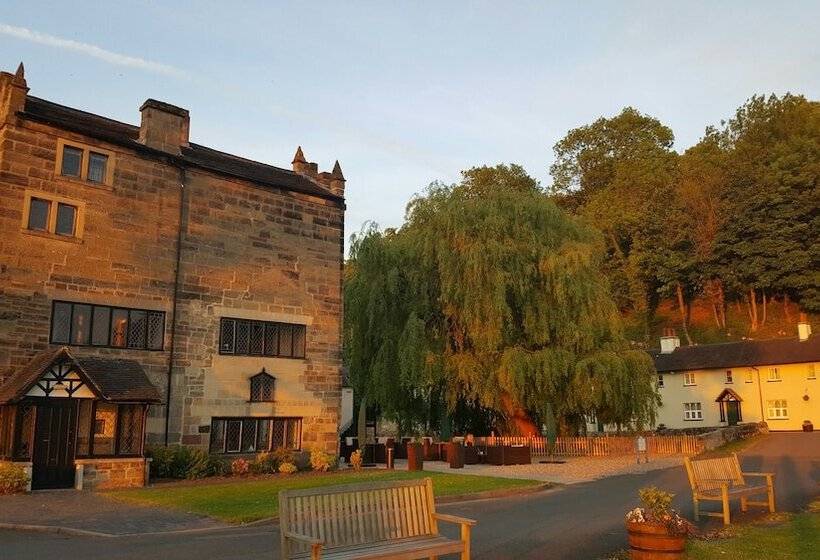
{"x":617,"y":173}
{"x":491,"y":294}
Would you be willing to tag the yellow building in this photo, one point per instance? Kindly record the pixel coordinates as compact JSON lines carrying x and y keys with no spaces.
{"x":717,"y":385}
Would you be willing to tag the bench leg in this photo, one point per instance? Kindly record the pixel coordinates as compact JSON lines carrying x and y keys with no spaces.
{"x":315,"y":552}
{"x":696,"y":507}
{"x":724,"y":491}
{"x":770,"y":492}
{"x":744,"y":507}
{"x":465,"y":538}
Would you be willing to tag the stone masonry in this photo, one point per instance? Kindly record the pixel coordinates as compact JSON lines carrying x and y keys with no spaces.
{"x":182,"y":229}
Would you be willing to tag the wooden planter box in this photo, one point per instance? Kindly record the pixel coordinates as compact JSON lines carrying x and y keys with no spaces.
{"x":415,"y":457}
{"x":508,"y":455}
{"x":652,"y":541}
{"x":455,"y":455}
{"x":471,"y":456}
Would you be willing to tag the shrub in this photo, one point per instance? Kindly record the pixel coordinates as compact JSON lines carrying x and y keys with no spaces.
{"x":356,"y":460}
{"x":319,"y":460}
{"x":287,"y":468}
{"x":178,"y":461}
{"x":239,"y":467}
{"x":263,"y":463}
{"x":281,"y":455}
{"x":13,"y":478}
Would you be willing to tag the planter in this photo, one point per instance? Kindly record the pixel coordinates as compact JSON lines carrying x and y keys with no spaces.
{"x":415,"y":457}
{"x":455,"y":455}
{"x":808,"y":426}
{"x":652,"y":541}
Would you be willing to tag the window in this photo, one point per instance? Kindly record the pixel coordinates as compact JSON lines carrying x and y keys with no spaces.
{"x":750,"y":376}
{"x":262,"y":387}
{"x":692,"y":411}
{"x":812,"y":374}
{"x":774,"y":374}
{"x":79,"y":161}
{"x":689,"y":378}
{"x":660,"y":381}
{"x":729,"y":378}
{"x":242,"y":337}
{"x":254,"y":435}
{"x":108,"y":429}
{"x":46,"y":213}
{"x":83,"y":324}
{"x":778,"y":409}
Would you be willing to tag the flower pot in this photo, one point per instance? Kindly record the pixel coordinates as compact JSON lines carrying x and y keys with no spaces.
{"x":653,"y":541}
{"x":415,"y":457}
{"x":455,"y":455}
{"x":808,"y":426}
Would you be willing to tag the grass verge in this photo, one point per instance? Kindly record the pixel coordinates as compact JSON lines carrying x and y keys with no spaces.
{"x":243,"y":501}
{"x":737,"y":446}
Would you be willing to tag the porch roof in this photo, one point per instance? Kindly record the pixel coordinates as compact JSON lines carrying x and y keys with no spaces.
{"x":113,"y":379}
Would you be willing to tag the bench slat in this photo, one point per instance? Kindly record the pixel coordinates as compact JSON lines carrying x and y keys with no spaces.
{"x":394,"y":550}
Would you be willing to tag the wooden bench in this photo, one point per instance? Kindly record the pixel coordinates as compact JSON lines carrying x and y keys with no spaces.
{"x":373,"y":521}
{"x":721,"y":479}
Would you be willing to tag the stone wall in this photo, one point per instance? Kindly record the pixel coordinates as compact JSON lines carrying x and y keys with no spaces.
{"x":105,"y":474}
{"x":722,"y":436}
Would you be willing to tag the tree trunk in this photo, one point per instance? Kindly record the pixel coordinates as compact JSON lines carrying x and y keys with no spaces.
{"x":786,"y":311}
{"x":722,"y":303}
{"x":682,"y":308}
{"x":763,"y":319}
{"x":752,"y":301}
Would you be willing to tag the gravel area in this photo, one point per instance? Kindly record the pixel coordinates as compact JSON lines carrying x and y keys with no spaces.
{"x":575,"y":470}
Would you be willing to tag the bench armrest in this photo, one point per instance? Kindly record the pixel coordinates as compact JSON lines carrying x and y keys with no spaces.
{"x":757,"y":474}
{"x":454,"y":519}
{"x":303,"y":538}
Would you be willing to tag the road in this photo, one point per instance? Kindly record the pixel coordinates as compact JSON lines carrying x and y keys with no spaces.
{"x":579,"y":521}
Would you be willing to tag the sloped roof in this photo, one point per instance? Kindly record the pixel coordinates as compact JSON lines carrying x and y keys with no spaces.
{"x":739,"y":354}
{"x":127,"y":135}
{"x":113,"y":379}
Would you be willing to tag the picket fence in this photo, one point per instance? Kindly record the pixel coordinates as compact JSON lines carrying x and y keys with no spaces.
{"x":599,"y":446}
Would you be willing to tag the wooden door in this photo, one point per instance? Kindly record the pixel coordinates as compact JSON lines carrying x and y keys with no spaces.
{"x":53,"y":457}
{"x":733,"y":412}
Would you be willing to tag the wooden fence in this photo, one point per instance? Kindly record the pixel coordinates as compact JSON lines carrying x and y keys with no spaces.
{"x":599,"y":446}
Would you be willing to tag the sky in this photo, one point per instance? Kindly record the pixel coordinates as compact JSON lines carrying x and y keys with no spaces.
{"x":406,"y":93}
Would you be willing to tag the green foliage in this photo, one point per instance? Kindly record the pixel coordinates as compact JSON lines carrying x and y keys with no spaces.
{"x":356,"y":460}
{"x":287,"y":468}
{"x":656,"y":501}
{"x":320,"y":461}
{"x":489,"y":294}
{"x":13,"y":478}
{"x":178,"y":461}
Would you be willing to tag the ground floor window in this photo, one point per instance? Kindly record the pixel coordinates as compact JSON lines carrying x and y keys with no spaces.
{"x":254,"y":435}
{"x":109,"y":429}
{"x":692,"y":411}
{"x":778,"y":409}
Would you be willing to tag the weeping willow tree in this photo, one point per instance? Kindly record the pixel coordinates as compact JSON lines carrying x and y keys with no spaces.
{"x":493,"y":296}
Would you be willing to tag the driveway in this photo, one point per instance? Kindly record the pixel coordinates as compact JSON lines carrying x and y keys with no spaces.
{"x":578,"y":521}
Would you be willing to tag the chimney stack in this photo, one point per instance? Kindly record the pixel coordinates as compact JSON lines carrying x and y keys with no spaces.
{"x":300,"y":164}
{"x":669,"y":341}
{"x":13,"y":91}
{"x":333,"y":181}
{"x":164,"y":126}
{"x":803,"y":328}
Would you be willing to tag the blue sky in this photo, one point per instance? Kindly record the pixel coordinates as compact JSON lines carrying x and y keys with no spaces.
{"x":407,"y":93}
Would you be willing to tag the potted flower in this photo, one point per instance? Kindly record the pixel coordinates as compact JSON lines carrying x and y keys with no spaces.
{"x":655,"y":530}
{"x":415,"y":455}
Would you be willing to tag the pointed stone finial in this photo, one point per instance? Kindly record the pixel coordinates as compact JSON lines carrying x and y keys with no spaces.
{"x":299,"y":157}
{"x":20,"y":76}
{"x":337,"y":172}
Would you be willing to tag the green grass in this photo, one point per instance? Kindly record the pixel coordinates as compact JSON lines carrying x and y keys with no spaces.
{"x":243,"y":501}
{"x":797,"y":537}
{"x":737,"y":446}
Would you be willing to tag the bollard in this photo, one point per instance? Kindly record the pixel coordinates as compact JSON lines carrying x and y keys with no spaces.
{"x":389,"y":458}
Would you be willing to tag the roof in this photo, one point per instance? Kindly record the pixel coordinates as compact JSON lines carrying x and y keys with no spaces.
{"x":127,"y":135}
{"x":113,"y":379}
{"x":739,"y":354}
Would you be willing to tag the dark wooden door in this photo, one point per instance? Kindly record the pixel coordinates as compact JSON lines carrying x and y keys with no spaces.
{"x":53,"y":459}
{"x":733,"y":412}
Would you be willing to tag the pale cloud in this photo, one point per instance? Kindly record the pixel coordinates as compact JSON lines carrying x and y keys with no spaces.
{"x":87,"y":49}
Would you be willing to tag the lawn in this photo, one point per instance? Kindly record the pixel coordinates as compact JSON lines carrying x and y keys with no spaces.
{"x":797,"y":537}
{"x":737,"y":446}
{"x":242,"y":501}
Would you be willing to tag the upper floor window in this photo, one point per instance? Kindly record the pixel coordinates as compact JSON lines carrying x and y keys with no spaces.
{"x":750,"y":376}
{"x":46,"y":213}
{"x":729,"y":378}
{"x":262,"y":387}
{"x":774,"y":374}
{"x":689,"y":378}
{"x":812,"y":373}
{"x":84,"y":162}
{"x":83,"y":324}
{"x":242,"y":337}
{"x":692,"y":411}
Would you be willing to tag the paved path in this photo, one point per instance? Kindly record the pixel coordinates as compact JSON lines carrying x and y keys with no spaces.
{"x":578,"y":521}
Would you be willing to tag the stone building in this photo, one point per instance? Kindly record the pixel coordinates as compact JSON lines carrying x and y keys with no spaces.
{"x":212,"y":279}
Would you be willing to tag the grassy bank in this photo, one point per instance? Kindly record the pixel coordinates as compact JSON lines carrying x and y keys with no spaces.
{"x":249,"y":500}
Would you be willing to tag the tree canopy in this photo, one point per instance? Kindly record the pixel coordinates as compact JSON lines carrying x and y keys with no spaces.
{"x":491,"y":297}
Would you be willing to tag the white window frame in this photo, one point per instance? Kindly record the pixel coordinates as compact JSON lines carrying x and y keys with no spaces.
{"x":730,"y":378}
{"x":750,"y":376}
{"x":774,"y":375}
{"x":692,"y":411}
{"x":777,"y":409}
{"x":812,"y":373}
{"x":689,"y":379}
{"x":660,"y":381}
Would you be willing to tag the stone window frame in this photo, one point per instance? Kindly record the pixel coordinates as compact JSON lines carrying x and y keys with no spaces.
{"x":51,"y":226}
{"x":219,"y":425}
{"x":257,"y":381}
{"x":228,"y":344}
{"x":111,"y":309}
{"x":87,"y":149}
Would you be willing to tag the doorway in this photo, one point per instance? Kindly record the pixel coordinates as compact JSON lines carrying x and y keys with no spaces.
{"x":732,"y":412}
{"x":53,"y":453}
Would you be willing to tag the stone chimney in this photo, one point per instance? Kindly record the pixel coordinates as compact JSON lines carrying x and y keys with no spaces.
{"x":13,"y":91}
{"x":164,"y":126}
{"x":669,"y":341}
{"x":299,"y":162}
{"x":803,"y":328}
